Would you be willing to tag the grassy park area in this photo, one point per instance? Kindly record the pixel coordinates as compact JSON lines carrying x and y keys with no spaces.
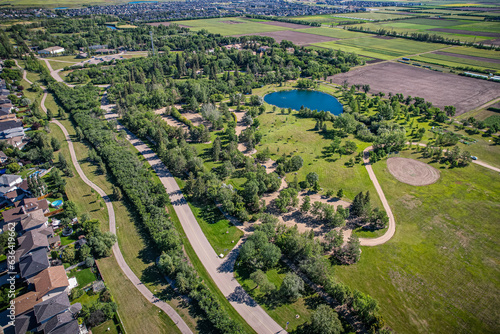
{"x":433,"y":273}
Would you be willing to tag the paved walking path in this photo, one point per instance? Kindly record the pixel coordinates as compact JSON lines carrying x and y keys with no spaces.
{"x":221,"y":270}
{"x":183,"y":327}
{"x":392,"y":223}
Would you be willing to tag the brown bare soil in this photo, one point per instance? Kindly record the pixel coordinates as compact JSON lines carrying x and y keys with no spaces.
{"x":298,"y":38}
{"x":413,"y":172}
{"x":286,"y":25}
{"x":156,"y":24}
{"x":467,"y":32}
{"x":442,"y":89}
{"x":493,"y":41}
{"x":489,"y":60}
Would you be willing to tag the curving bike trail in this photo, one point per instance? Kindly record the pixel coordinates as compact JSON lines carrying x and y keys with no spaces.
{"x":179,"y":322}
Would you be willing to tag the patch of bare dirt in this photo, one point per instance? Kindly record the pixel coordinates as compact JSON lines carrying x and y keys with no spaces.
{"x":413,"y":172}
{"x":441,"y":89}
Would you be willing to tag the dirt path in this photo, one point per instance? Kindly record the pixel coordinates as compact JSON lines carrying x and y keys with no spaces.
{"x":183,"y":327}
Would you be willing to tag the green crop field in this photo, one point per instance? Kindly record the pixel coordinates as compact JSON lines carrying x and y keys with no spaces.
{"x":374,"y":15}
{"x":333,"y":32}
{"x":230,"y":26}
{"x":469,"y":51}
{"x":439,"y":273}
{"x":450,"y":60}
{"x":325,"y":19}
{"x":382,"y":48}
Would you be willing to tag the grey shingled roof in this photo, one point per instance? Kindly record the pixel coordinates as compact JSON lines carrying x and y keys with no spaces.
{"x":51,"y":307}
{"x":33,"y":263}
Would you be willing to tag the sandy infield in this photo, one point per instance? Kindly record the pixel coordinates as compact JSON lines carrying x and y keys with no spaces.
{"x":412,"y":172}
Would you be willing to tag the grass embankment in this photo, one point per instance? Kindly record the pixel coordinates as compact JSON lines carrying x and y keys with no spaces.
{"x":439,"y":272}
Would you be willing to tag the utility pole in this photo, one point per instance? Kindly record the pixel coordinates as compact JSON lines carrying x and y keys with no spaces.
{"x":152,"y":45}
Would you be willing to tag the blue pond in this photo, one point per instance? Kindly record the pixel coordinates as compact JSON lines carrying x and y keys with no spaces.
{"x":308,"y":98}
{"x":57,"y":203}
{"x":111,"y":27}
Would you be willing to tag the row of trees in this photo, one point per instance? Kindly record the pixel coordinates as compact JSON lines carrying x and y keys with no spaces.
{"x":147,"y":197}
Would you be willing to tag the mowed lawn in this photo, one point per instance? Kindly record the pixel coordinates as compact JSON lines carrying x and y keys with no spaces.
{"x":230,"y":26}
{"x":137,"y":313}
{"x":439,"y":273}
{"x":382,"y":48}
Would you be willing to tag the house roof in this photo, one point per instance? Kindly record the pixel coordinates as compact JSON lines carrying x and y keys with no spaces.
{"x":26,"y":302}
{"x":10,"y":124}
{"x":24,"y":186}
{"x":31,"y":203}
{"x":66,"y":328}
{"x":31,"y":240}
{"x":24,"y":323}
{"x":50,"y":279}
{"x":12,"y":194}
{"x":53,"y":48}
{"x":57,"y":321}
{"x":13,"y":214}
{"x":3,"y":155}
{"x":33,"y":262}
{"x":7,"y":179}
{"x":33,"y":219}
{"x":51,"y":307}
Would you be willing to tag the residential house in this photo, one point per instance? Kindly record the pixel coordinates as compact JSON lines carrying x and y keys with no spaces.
{"x":51,"y":282}
{"x":56,"y":306}
{"x":52,"y":50}
{"x":33,"y":263}
{"x":9,"y":182}
{"x":11,"y":128}
{"x":4,"y":98}
{"x":33,"y":241}
{"x":3,"y":157}
{"x":47,"y":284}
{"x":23,"y":207}
{"x":5,"y":108}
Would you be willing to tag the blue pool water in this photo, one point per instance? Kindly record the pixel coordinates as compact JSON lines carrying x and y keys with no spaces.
{"x":111,"y":27}
{"x":57,"y":203}
{"x":61,"y":8}
{"x":136,"y":2}
{"x":308,"y":98}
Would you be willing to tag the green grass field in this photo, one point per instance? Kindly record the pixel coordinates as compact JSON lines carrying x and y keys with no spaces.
{"x":439,"y":273}
{"x":103,"y":328}
{"x":84,"y":277}
{"x":230,"y":26}
{"x":452,"y":61}
{"x":424,"y":25}
{"x":382,"y":48}
{"x":333,"y":32}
